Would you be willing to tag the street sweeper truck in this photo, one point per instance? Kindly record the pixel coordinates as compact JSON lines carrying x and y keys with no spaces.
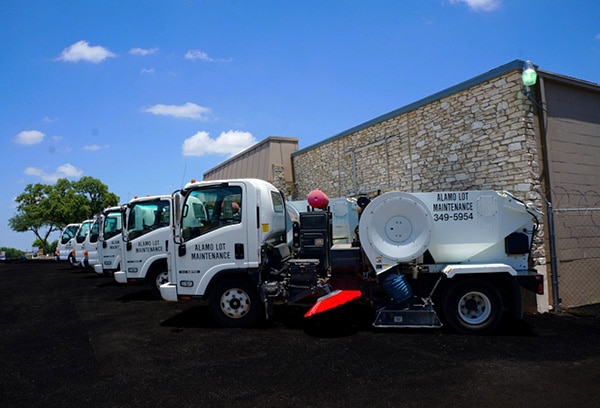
{"x":418,"y":259}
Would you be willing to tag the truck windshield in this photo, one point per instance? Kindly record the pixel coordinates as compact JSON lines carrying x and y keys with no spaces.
{"x":209,"y":208}
{"x":68,"y":233}
{"x":112,"y":224}
{"x":82,"y":233}
{"x":148,"y":216}
{"x":95,"y":230}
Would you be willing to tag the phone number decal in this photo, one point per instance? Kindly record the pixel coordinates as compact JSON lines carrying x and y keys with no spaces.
{"x":453,"y":217}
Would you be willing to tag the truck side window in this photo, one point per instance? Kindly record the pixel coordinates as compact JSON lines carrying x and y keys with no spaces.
{"x":148,"y":216}
{"x":277,"y":200}
{"x":112,"y":225}
{"x":211,"y":208}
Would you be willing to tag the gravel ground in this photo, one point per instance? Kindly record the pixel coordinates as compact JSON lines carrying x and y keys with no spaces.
{"x":71,"y":338}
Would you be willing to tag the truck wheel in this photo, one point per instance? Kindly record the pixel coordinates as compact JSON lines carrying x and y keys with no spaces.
{"x":72,"y":261}
{"x":155,"y":279}
{"x":473,"y":307}
{"x":234,"y":303}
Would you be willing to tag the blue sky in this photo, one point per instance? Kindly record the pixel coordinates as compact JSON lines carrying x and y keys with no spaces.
{"x":145,"y":95}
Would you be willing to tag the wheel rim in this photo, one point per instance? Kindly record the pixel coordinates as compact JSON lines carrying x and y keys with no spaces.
{"x":161,"y":278}
{"x":235,"y":303}
{"x":474,"y":308}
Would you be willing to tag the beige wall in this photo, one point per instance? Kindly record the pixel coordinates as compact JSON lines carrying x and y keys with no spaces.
{"x":572,"y":124}
{"x":268,"y":160}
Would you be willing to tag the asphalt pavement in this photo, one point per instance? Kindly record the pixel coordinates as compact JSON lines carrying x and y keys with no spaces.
{"x":71,"y":338}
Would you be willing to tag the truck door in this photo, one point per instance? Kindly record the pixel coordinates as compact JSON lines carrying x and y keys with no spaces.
{"x":111,"y":239}
{"x":213,"y":236}
{"x":90,"y":254}
{"x":148,"y":223}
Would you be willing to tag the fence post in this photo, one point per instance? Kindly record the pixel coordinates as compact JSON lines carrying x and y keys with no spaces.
{"x":553,"y":264}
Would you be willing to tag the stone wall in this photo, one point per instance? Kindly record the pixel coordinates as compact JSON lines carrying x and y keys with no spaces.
{"x":481,"y":137}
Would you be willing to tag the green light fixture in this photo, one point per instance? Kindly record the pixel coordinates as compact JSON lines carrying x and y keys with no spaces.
{"x":529,"y":76}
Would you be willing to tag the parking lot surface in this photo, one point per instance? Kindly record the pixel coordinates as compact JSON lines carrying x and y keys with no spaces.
{"x":71,"y":338}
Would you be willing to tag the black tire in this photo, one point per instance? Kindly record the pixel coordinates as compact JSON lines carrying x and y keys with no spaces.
{"x":155,"y":278}
{"x":234,"y":303}
{"x":72,"y":261}
{"x":473,"y":306}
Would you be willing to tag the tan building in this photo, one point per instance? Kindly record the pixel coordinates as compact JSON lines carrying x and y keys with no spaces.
{"x":487,"y":133}
{"x":268,"y":160}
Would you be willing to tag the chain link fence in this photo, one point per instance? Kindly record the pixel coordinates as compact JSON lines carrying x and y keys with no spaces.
{"x":576,"y":216}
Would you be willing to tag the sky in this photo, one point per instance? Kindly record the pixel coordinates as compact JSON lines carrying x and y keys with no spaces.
{"x":146,"y":95}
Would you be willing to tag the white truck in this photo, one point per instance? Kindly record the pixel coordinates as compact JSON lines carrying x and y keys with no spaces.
{"x":146,"y":235}
{"x":90,"y":246}
{"x":464,"y":255}
{"x":77,"y":253}
{"x":110,"y":240}
{"x":65,"y":242}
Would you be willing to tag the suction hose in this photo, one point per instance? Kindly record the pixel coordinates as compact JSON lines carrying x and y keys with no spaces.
{"x":395,"y":286}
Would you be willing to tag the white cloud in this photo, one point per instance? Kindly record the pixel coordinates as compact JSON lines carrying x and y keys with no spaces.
{"x":63,"y":171}
{"x":188,"y":110}
{"x":94,"y":147}
{"x":147,"y":71}
{"x":202,"y":56}
{"x":29,"y":137}
{"x":49,"y":119}
{"x":82,"y":51}
{"x":33,"y":171}
{"x":198,"y":55}
{"x":479,"y":5}
{"x":228,"y":143}
{"x":143,"y":51}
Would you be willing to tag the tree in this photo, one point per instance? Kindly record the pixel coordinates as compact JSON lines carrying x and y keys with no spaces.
{"x":68,"y":205}
{"x":12,"y":253}
{"x":50,"y":246}
{"x":97,"y":194}
{"x":43,"y":209}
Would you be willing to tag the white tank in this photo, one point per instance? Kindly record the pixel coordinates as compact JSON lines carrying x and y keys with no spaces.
{"x":455,"y":226}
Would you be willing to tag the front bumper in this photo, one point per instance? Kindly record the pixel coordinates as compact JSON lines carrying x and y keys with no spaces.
{"x":168,"y":291}
{"x":120,"y":277}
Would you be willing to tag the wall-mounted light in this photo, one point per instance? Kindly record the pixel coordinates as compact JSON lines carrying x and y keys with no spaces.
{"x":529,"y":76}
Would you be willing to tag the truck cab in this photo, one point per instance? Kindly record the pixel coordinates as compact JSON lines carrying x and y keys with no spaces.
{"x":219,"y":232}
{"x":77,"y":253}
{"x":90,"y":245}
{"x":65,"y":242}
{"x":110,"y":240}
{"x":146,"y":235}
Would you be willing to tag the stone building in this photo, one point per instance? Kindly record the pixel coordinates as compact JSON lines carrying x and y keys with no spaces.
{"x":490,"y":132}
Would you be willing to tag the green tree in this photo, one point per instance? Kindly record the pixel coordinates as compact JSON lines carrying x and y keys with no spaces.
{"x":97,"y":194}
{"x":44,"y":209}
{"x":34,"y":213}
{"x":50,"y":246}
{"x":12,"y":253}
{"x":68,"y":205}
